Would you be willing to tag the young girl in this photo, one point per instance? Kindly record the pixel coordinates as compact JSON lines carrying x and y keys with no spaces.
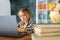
{"x":25,"y":25}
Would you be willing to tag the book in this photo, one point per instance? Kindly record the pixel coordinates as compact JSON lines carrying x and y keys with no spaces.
{"x":36,"y":37}
{"x":46,"y":29}
{"x":48,"y":34}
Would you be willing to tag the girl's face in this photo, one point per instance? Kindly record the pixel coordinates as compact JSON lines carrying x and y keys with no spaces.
{"x":23,"y":16}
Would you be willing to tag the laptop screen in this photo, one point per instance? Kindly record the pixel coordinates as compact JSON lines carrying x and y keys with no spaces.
{"x":8,"y":26}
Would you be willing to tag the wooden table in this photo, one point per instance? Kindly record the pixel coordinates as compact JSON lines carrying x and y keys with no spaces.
{"x":26,"y":37}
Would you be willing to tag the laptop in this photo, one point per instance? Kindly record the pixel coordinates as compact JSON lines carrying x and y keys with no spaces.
{"x":8,"y":27}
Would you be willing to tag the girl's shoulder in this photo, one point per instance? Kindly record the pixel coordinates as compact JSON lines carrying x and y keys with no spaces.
{"x":20,"y":23}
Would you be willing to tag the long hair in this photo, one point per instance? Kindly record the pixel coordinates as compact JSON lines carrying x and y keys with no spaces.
{"x":25,"y":10}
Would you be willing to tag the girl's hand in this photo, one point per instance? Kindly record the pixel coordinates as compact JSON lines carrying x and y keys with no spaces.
{"x":21,"y":29}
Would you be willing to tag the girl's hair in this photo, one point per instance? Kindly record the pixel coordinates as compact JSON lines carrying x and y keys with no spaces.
{"x":26,"y":11}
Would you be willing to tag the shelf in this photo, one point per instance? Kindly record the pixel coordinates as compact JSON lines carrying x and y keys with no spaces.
{"x":43,"y":8}
{"x":41,"y":0}
{"x":44,"y":21}
{"x":52,"y":1}
{"x":43,"y":12}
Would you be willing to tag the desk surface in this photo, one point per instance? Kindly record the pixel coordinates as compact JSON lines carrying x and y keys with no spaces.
{"x":26,"y":37}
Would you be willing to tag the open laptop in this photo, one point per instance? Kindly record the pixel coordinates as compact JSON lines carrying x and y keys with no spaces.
{"x":8,"y":27}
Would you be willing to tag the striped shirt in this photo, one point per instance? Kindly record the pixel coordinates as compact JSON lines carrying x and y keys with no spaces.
{"x":29,"y":26}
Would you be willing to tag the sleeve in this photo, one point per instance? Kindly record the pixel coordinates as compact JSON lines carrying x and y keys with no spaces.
{"x":30,"y":28}
{"x":18,"y":25}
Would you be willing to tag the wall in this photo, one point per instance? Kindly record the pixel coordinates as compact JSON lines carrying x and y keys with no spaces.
{"x":5,"y":8}
{"x":17,"y":4}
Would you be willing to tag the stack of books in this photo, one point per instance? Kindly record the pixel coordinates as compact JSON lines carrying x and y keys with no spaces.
{"x":46,"y":33}
{"x":36,"y":37}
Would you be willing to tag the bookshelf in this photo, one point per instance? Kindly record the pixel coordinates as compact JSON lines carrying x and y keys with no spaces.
{"x":43,"y":8}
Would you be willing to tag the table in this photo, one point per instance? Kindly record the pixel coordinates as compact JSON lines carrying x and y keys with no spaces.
{"x":26,"y":37}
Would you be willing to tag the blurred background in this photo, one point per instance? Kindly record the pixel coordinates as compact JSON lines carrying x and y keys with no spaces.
{"x":18,"y":4}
